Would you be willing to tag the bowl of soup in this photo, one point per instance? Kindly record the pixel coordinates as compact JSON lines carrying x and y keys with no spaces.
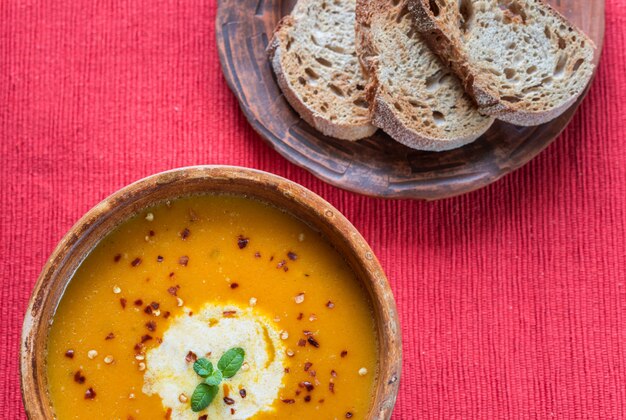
{"x":211,"y":292}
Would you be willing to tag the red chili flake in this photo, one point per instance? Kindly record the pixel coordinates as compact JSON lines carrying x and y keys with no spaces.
{"x":333,"y":373}
{"x":232,"y":411}
{"x":166,"y":314}
{"x":285,"y":269}
{"x":151,"y":326}
{"x":139,"y":347}
{"x":190,"y":313}
{"x":123,"y":303}
{"x":281,"y":264}
{"x":172,"y":274}
{"x":234,"y":285}
{"x":146,"y":337}
{"x":331,"y":387}
{"x":203,"y":417}
{"x":138,"y":302}
{"x":154,"y":305}
{"x":307,"y":332}
{"x":173,"y":290}
{"x":242,"y":241}
{"x":300,"y":316}
{"x":306,"y":384}
{"x":288,"y":400}
{"x":69,"y":354}
{"x":159,"y":258}
{"x":306,"y":275}
{"x":344,"y":353}
{"x":243,"y":393}
{"x":292,"y":256}
{"x":348,"y":415}
{"x":312,"y":373}
{"x":272,"y":258}
{"x":321,"y":401}
{"x":159,"y":340}
{"x":257,"y":254}
{"x":148,"y":310}
{"x":110,"y":336}
{"x":307,"y":366}
{"x":90,"y":394}
{"x":313,"y":342}
{"x":151,"y":233}
{"x":79,"y":377}
{"x":297,"y":392}
{"x":229,"y":314}
{"x":184,"y":234}
{"x":330,"y":305}
{"x":302,"y":342}
{"x":136,"y":262}
{"x":229,"y":401}
{"x":307,"y":398}
{"x":191,"y":357}
{"x":286,"y":370}
{"x":168,"y":413}
{"x":117,"y":258}
{"x":183,"y":260}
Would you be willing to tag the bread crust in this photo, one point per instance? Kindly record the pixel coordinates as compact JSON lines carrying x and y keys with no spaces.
{"x":350,"y":132}
{"x":475,"y":84}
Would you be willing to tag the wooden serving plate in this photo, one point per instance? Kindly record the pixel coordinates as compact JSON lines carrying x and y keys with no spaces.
{"x":279,"y":192}
{"x":376,"y":166}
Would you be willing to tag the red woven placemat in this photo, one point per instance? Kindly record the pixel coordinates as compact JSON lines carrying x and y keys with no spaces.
{"x":512,"y":299}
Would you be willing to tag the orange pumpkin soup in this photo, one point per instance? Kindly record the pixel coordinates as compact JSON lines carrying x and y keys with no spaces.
{"x":212,"y":306}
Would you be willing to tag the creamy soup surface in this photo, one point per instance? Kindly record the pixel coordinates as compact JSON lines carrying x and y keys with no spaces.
{"x":189,"y":280}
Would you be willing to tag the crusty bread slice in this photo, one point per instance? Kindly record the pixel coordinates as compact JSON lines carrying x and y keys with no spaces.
{"x":520,"y":59}
{"x":313,"y":55}
{"x":414,"y":97}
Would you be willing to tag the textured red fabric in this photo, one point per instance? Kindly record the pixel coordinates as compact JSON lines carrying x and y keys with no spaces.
{"x":512,"y":299}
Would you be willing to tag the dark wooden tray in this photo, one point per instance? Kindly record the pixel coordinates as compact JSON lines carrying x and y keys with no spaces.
{"x":376,"y":166}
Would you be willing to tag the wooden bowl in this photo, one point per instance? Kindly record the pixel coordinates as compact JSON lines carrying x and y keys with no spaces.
{"x":376,"y":166}
{"x":281,"y":193}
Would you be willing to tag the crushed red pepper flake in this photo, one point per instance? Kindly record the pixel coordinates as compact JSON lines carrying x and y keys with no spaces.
{"x":139,"y":347}
{"x":136,"y":262}
{"x":242,"y":241}
{"x":69,"y":354}
{"x":148,"y":310}
{"x":151,"y":233}
{"x":172,"y":274}
{"x":313,"y":342}
{"x":312,"y":373}
{"x":234,"y":285}
{"x":331,"y":387}
{"x":307,"y":366}
{"x":138,"y":302}
{"x":232,"y":411}
{"x":159,"y":258}
{"x":302,"y":342}
{"x":344,"y":353}
{"x":166,"y":314}
{"x":330,"y":305}
{"x":288,"y":400}
{"x":90,"y":394}
{"x":123,"y":303}
{"x":306,"y":384}
{"x":297,"y":392}
{"x":203,"y":417}
{"x":229,"y":314}
{"x":168,"y":413}
{"x":154,"y":305}
{"x":117,"y":258}
{"x":300,"y":316}
{"x":292,"y":256}
{"x":110,"y":336}
{"x":242,"y":393}
{"x":173,"y":290}
{"x":307,"y":398}
{"x":191,"y":357}
{"x":348,"y":415}
{"x":257,"y":254}
{"x":151,"y":326}
{"x":286,"y":370}
{"x":146,"y":337}
{"x":307,"y":332}
{"x":229,"y":401}
{"x":281,"y":264}
{"x":333,"y":373}
{"x":79,"y":377}
{"x":272,"y":258}
{"x":184,"y":234}
{"x":306,"y":275}
{"x":285,"y":268}
{"x":321,"y":401}
{"x":184,"y":260}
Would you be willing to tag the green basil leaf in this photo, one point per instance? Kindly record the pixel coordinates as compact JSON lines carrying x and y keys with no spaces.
{"x":231,"y":362}
{"x":214,"y":378}
{"x":202,"y":396}
{"x":203,"y":367}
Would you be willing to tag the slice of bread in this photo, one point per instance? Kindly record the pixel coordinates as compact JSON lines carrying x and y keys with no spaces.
{"x":519,"y":59}
{"x":313,"y":55}
{"x":414,"y":97}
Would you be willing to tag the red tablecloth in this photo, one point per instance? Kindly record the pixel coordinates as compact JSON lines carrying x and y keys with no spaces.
{"x":512,"y":299}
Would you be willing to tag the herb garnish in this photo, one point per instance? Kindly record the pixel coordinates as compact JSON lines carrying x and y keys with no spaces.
{"x":228,"y":365}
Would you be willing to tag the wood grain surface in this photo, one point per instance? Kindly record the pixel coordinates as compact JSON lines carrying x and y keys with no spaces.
{"x":376,"y":166}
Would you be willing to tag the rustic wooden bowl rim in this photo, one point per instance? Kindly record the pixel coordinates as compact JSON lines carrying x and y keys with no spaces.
{"x":278,"y":191}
